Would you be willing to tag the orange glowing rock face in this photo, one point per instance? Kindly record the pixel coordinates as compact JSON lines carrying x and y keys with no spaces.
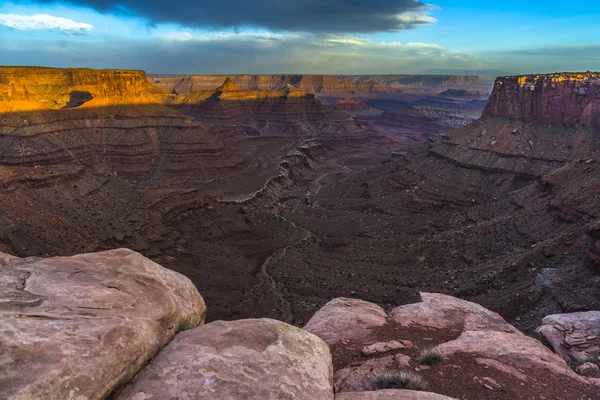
{"x":33,"y":88}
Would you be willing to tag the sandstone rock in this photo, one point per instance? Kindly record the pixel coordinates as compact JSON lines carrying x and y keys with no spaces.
{"x":511,"y":348}
{"x":244,"y":359}
{"x":77,"y":327}
{"x":351,"y":105}
{"x":359,"y":378}
{"x":587,"y":368}
{"x":572,"y":336}
{"x":381,"y":347}
{"x":391,"y":395}
{"x":442,"y":311}
{"x":343,"y":319}
{"x":556,"y":100}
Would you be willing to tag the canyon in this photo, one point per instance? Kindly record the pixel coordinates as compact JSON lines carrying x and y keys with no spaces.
{"x":275,"y":194}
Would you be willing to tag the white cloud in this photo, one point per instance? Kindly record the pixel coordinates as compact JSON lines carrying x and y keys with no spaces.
{"x":224,"y":36}
{"x":44,"y":22}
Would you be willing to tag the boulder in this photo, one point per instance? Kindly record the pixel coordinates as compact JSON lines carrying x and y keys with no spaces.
{"x":245,"y":359}
{"x":573,"y":336}
{"x":346,"y":319}
{"x":359,"y":377}
{"x":385,"y":347}
{"x":512,"y":349}
{"x":391,"y":395}
{"x":441,"y":311}
{"x":78,"y":327}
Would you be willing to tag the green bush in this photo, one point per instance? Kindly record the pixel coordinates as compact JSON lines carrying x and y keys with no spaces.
{"x":184,"y":324}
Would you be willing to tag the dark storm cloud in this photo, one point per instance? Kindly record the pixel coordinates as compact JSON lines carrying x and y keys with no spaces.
{"x":334,"y":16}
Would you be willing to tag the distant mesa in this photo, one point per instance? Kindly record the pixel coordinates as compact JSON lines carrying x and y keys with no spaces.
{"x":351,"y":105}
{"x":228,"y":86}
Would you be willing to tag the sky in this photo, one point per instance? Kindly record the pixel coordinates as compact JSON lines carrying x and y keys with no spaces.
{"x":302,"y":36}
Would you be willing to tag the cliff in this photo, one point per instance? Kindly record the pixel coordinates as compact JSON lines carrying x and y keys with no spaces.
{"x":230,"y":104}
{"x":555,"y":99}
{"x":319,"y":84}
{"x":35,"y":88}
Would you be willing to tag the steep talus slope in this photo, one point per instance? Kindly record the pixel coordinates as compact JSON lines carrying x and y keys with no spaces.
{"x":501,"y":211}
{"x":424,"y":121}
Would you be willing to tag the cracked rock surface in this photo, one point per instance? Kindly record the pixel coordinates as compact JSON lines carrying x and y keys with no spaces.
{"x":78,"y":327}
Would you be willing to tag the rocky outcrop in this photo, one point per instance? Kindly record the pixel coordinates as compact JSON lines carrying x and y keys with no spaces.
{"x":391,"y":394}
{"x":465,"y":94}
{"x":324,"y":85}
{"x":319,"y":84}
{"x":575,"y":336}
{"x":344,"y":319}
{"x":33,"y":88}
{"x":450,"y":347}
{"x":420,"y":81}
{"x":251,"y":359}
{"x":78,"y":327}
{"x":351,"y":105}
{"x":444,"y":312}
{"x":230,"y":104}
{"x":555,"y":99}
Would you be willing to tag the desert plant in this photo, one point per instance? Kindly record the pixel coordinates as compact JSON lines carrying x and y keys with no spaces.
{"x":431,"y":356}
{"x":184,"y":324}
{"x":589,"y":359}
{"x":398,"y":380}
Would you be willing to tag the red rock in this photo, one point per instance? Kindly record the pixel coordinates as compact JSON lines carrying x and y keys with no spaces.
{"x":564,"y":98}
{"x":351,"y":105}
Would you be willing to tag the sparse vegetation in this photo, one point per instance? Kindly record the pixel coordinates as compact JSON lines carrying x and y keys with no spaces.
{"x":398,"y":380}
{"x":184,"y":324}
{"x":431,"y":356}
{"x":589,"y":359}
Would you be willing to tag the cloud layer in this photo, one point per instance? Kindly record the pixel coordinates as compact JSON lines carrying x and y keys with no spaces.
{"x":317,"y":16}
{"x":44,"y":22}
{"x":227,"y":53}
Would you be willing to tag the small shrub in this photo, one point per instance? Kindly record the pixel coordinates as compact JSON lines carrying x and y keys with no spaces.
{"x":589,"y":359}
{"x":431,"y":356}
{"x":184,"y":324}
{"x":398,"y":380}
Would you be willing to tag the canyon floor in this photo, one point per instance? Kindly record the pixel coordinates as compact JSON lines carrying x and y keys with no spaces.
{"x":273,"y":203}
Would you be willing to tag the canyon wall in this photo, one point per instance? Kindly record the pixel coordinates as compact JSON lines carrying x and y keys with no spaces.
{"x":35,"y":88}
{"x":319,"y":84}
{"x":554,"y":99}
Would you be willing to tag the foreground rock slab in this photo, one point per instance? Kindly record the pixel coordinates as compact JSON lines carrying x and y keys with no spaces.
{"x":391,"y":395}
{"x":245,"y":359}
{"x":575,"y":337}
{"x":442,"y":311}
{"x":481,"y":356}
{"x":344,"y":319}
{"x":77,"y":327}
